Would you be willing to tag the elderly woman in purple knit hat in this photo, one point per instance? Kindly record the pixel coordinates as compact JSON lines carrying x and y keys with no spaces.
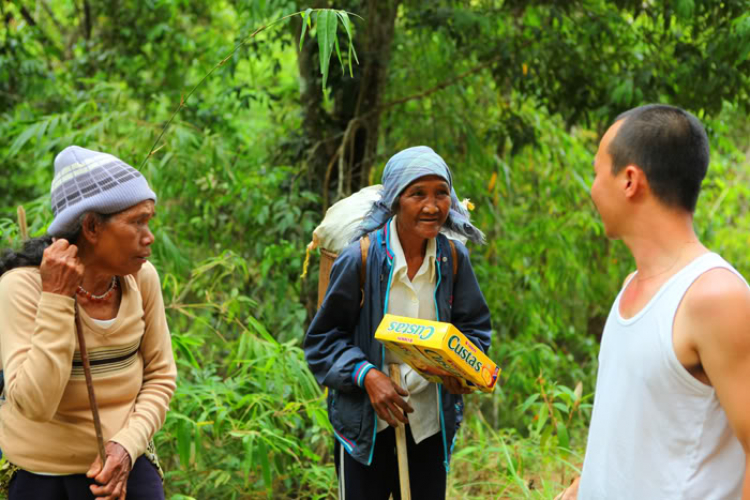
{"x":93,"y":263}
{"x":409,"y":271}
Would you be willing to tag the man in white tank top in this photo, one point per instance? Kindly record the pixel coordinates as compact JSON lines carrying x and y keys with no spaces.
{"x":671,"y":416}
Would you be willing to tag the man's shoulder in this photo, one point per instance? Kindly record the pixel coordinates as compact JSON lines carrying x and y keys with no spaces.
{"x":715,"y":292}
{"x":717,"y":309}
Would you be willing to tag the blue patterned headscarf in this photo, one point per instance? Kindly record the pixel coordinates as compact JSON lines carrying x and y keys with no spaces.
{"x":401,"y":170}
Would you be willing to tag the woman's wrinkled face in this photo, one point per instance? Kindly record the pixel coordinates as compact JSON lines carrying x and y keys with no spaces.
{"x":424,"y":205}
{"x":124,"y":242}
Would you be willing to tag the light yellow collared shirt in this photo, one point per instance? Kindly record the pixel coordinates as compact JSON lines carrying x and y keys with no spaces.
{"x":415,"y":299}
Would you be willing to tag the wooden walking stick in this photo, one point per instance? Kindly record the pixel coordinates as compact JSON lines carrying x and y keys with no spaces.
{"x":23,"y":229}
{"x":403,"y":459}
{"x":90,"y":386}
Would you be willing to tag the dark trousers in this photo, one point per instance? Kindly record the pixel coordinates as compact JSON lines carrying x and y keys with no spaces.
{"x":144,"y":483}
{"x":377,"y":481}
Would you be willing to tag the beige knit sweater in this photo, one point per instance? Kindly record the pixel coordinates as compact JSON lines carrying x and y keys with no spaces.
{"x":46,"y":423}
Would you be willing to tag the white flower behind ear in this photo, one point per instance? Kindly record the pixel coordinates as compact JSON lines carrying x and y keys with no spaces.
{"x":467,"y":204}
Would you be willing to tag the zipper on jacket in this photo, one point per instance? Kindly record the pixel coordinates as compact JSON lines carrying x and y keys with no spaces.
{"x":440,"y":392}
{"x":375,"y":430}
{"x":382,"y":347}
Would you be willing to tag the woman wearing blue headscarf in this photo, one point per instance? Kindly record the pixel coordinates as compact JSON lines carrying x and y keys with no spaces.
{"x":409,"y":271}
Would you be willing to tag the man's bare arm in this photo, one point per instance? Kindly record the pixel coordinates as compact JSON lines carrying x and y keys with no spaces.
{"x":718,"y":314}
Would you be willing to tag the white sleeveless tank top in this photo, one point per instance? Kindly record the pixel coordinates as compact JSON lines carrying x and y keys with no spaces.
{"x":657,"y":433}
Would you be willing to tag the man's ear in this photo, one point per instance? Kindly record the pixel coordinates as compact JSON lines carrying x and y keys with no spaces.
{"x":634,"y":181}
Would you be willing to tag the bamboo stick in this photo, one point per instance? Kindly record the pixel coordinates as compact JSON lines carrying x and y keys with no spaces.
{"x":90,"y":387}
{"x":23,"y":228}
{"x":403,"y":459}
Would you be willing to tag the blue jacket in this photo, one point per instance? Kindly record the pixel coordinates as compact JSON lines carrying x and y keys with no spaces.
{"x":340,"y":347}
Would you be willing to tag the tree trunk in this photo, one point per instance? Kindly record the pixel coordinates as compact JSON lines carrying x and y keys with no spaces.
{"x":342,"y":143}
{"x":316,"y":128}
{"x":381,"y":20}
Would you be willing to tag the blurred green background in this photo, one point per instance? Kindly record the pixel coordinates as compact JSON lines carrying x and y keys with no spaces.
{"x":514,"y":94}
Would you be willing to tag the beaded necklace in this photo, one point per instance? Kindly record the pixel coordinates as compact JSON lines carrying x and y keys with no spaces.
{"x":99,"y":298}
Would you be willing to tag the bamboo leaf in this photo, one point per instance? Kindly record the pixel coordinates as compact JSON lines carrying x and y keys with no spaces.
{"x":346,"y":23}
{"x":265,"y":465}
{"x":247,"y":462}
{"x":349,"y":60}
{"x":261,"y":330}
{"x":543,"y":414}
{"x":338,"y":54}
{"x":326,"y":28}
{"x":185,"y":350}
{"x":197,"y":445}
{"x":529,"y":401}
{"x":184,"y":437}
{"x":53,"y":124}
{"x":41,"y":130}
{"x":545,"y":437}
{"x":559,"y":405}
{"x":563,"y":440}
{"x":22,"y":139}
{"x":305,"y":24}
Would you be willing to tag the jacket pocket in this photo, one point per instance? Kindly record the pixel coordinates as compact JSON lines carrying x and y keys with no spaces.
{"x":345,"y":412}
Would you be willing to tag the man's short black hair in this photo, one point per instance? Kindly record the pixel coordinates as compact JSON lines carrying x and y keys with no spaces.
{"x":670,"y":145}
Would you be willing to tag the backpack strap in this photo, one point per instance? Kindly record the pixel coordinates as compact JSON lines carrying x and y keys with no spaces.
{"x":364,"y":247}
{"x":455,"y":257}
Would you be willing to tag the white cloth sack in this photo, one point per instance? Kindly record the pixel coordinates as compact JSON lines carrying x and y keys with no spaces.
{"x":342,"y":220}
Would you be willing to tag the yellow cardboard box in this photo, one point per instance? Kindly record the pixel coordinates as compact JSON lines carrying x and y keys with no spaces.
{"x":434,"y":348}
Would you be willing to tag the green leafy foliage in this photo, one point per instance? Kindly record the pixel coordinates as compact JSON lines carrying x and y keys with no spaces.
{"x":260,"y":407}
{"x":513,"y":94}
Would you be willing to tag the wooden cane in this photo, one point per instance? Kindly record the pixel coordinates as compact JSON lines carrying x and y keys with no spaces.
{"x":90,"y":386}
{"x":403,"y":459}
